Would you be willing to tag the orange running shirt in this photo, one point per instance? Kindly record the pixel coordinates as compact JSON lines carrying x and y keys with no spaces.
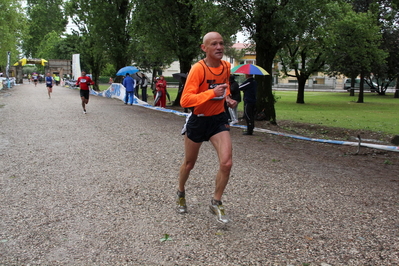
{"x":197,"y":92}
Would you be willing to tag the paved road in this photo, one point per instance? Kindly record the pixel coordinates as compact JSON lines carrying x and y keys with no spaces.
{"x":98,"y":189}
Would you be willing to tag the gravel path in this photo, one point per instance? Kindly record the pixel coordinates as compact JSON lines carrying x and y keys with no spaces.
{"x":98,"y":189}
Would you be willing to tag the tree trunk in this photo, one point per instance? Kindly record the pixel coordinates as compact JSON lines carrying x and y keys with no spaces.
{"x":154,"y":74}
{"x":95,"y":77}
{"x":185,"y":66}
{"x":265,"y":98}
{"x":396,"y":95}
{"x":96,"y":80}
{"x":353,"y":84}
{"x":301,"y":90}
{"x":361,"y":89}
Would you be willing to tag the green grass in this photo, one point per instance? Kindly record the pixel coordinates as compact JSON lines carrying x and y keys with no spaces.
{"x":377,"y":113}
{"x":103,"y":87}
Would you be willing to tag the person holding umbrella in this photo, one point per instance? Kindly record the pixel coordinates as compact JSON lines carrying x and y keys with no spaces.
{"x":206,"y":90}
{"x":129,"y":83}
{"x":249,"y":87}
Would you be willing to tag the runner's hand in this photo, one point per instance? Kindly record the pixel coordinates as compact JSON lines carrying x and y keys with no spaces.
{"x":219,"y":90}
{"x":230,"y":102}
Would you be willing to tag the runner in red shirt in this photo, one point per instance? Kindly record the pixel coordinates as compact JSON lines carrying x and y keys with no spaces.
{"x":83,"y":82}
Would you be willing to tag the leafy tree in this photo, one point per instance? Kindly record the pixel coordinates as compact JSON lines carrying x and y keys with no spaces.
{"x":29,"y":69}
{"x":385,"y":73}
{"x":356,"y":46}
{"x":44,"y":16}
{"x":112,"y":20}
{"x":165,"y":30}
{"x":104,"y":32}
{"x":178,"y":27}
{"x":67,"y":46}
{"x":92,"y":55}
{"x":55,"y":47}
{"x":150,"y":57}
{"x":360,"y":5}
{"x":12,"y":25}
{"x":305,"y":53}
{"x":109,"y":70}
{"x":48,"y":46}
{"x":172,"y":33}
{"x":271,"y":24}
{"x":387,"y":17}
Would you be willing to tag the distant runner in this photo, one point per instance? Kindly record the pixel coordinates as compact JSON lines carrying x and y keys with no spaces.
{"x":49,"y":84}
{"x":83,"y":82}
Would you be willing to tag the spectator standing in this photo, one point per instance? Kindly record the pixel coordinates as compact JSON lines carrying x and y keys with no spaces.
{"x":57,"y":80}
{"x":235,"y":95}
{"x":161,"y":88}
{"x":137,"y":86}
{"x":154,"y":86}
{"x":144,"y":84}
{"x":129,"y":83}
{"x":181,"y":89}
{"x":249,"y":87}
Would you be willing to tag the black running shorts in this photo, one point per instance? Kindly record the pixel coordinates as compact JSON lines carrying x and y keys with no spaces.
{"x":85,"y":93}
{"x":202,"y":128}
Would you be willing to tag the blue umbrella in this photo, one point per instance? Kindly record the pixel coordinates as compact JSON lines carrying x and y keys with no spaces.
{"x":127,"y":70}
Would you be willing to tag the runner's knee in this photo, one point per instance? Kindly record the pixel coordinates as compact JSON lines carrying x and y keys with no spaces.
{"x":189,"y":165}
{"x":226,"y":166}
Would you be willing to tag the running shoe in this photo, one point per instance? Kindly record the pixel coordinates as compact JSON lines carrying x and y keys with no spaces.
{"x":181,"y":203}
{"x":84,"y":111}
{"x":218,"y":210}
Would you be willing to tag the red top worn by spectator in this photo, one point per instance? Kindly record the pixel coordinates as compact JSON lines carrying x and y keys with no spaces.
{"x":161,"y":87}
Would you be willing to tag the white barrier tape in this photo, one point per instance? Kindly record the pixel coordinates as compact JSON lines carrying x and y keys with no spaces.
{"x":349,"y":143}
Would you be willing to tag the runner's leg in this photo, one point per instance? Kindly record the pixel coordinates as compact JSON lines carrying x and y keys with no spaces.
{"x":83,"y":103}
{"x":223,"y":146}
{"x":191,"y":153}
